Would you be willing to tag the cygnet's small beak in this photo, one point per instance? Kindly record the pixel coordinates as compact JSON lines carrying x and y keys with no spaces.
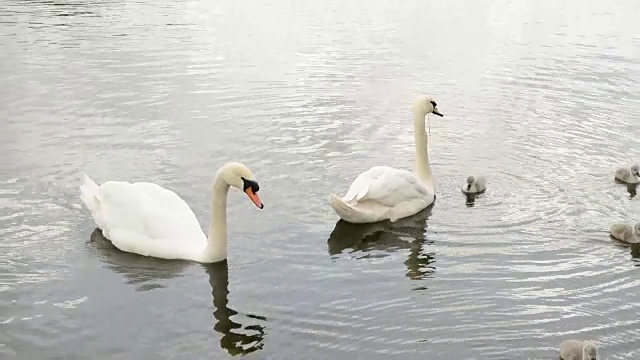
{"x":436,"y":112}
{"x":254,"y":197}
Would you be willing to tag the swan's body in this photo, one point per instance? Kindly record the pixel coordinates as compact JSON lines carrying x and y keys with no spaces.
{"x":475,"y":185}
{"x":147,"y":219}
{"x":382,"y":193}
{"x":626,"y":233}
{"x":578,"y":350}
{"x":385,"y":193}
{"x":630,"y":175}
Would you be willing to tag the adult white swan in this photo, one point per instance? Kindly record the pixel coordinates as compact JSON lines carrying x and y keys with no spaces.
{"x":383,"y":192}
{"x":147,"y":219}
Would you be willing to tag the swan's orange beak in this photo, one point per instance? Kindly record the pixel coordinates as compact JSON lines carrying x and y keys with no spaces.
{"x":254,"y":197}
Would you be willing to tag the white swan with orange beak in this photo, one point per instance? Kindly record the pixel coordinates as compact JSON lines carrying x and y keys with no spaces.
{"x":146,"y":219}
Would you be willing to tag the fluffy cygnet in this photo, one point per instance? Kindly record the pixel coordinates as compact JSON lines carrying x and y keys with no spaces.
{"x":626,"y":233}
{"x":578,"y":350}
{"x":474,"y":186}
{"x":630,"y":175}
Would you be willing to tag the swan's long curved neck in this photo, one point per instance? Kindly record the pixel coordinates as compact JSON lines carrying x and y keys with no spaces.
{"x":422,"y":167}
{"x":217,"y":243}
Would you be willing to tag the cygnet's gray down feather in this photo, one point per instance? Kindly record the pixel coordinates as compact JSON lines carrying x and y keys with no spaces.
{"x":578,"y":350}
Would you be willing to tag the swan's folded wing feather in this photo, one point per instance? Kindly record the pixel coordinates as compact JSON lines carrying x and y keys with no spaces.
{"x":391,"y":186}
{"x":360,"y":186}
{"x":147,"y":209}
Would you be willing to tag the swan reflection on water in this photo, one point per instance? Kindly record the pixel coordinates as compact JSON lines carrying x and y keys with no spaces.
{"x":236,"y":338}
{"x":147,"y":273}
{"x":380,"y":239}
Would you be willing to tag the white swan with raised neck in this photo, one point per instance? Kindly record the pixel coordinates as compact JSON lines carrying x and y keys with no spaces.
{"x":386,"y":193}
{"x":146,"y":219}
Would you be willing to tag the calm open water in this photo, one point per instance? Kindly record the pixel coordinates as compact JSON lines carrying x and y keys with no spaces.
{"x":541,"y":97}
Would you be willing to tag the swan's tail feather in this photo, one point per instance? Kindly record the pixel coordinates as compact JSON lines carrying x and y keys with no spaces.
{"x":89,"y":194}
{"x":344,"y":210}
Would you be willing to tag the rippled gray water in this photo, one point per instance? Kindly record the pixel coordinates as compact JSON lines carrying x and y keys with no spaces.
{"x":541,"y":97}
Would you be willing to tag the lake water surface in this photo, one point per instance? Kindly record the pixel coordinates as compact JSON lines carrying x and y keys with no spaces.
{"x":541,"y":97}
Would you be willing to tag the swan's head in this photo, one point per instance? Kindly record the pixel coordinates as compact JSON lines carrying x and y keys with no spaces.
{"x":635,"y":170}
{"x":590,"y":352}
{"x":426,"y":105}
{"x":240,"y":177}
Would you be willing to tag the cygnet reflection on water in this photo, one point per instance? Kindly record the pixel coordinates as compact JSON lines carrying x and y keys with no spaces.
{"x":148,"y":273}
{"x":578,"y":350}
{"x":382,"y":238}
{"x":471,"y":199}
{"x":629,"y":175}
{"x":633,"y":190}
{"x":626,"y":233}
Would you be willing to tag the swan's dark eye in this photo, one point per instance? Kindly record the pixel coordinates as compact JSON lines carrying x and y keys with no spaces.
{"x":250,"y":184}
{"x":433,"y":103}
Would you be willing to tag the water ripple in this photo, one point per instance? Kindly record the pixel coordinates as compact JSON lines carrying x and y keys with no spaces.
{"x":540,"y":99}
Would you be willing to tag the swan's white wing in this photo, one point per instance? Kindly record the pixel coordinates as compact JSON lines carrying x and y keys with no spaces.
{"x":147,"y":210}
{"x":387,"y":186}
{"x":360,"y":186}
